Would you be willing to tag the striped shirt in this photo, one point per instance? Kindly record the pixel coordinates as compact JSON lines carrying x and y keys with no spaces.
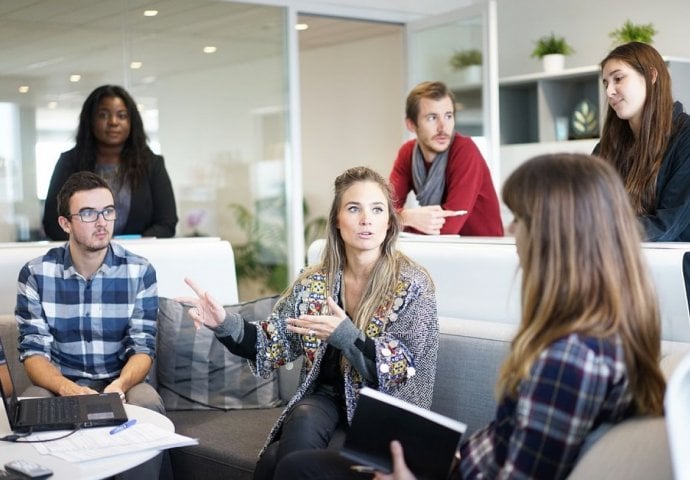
{"x":88,"y":328}
{"x":575,"y":385}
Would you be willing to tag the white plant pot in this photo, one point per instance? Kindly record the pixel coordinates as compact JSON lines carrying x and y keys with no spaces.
{"x":553,"y":62}
{"x":473,"y":74}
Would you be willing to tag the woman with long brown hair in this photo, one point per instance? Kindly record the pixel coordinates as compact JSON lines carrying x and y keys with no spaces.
{"x":646,"y":137}
{"x":588,"y":346}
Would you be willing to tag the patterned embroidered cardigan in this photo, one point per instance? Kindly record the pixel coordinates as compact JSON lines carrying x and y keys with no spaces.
{"x":405,"y":333}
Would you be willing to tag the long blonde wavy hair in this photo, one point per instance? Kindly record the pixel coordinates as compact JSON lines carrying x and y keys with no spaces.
{"x":582,"y":270}
{"x":380,"y":289}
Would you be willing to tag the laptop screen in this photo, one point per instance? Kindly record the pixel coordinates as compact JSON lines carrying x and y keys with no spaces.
{"x":7,"y":386}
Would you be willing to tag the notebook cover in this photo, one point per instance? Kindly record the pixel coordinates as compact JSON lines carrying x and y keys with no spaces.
{"x":429,"y":439}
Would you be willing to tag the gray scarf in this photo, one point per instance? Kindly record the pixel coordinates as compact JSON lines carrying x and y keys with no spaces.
{"x":429,"y":186}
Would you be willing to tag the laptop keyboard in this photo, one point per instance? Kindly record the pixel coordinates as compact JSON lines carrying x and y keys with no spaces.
{"x":57,"y":410}
{"x":4,"y":475}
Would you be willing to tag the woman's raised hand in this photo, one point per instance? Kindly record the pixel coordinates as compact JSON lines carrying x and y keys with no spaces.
{"x":204,"y":309}
{"x":319,"y":326}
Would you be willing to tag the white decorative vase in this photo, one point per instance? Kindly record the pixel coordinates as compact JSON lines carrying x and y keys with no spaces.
{"x":553,"y":62}
{"x":473,"y":74}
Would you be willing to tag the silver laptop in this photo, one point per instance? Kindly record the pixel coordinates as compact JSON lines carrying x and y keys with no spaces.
{"x":57,"y":413}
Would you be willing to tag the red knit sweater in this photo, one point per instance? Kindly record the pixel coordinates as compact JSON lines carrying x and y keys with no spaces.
{"x":468,"y":187}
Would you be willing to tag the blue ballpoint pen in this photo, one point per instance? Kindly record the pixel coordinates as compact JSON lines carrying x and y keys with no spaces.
{"x":125,"y":425}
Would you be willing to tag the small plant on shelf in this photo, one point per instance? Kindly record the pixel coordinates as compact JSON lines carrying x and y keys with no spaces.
{"x":632,"y":32}
{"x":551,"y":44}
{"x":465,"y":58}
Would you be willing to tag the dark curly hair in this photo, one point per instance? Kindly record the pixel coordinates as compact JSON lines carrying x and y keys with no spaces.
{"x":135,"y":153}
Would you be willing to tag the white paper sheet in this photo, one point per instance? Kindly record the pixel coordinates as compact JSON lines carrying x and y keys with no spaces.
{"x":95,"y":443}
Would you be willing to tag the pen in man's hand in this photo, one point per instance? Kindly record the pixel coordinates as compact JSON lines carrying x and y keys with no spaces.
{"x":125,"y":425}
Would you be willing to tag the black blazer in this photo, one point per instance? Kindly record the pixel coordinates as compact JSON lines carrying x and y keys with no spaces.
{"x":152,"y":212}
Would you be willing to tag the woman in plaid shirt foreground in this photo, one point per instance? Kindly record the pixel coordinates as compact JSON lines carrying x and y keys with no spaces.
{"x":587,"y":351}
{"x":586,"y":354}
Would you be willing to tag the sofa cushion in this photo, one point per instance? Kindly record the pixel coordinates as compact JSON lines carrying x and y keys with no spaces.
{"x":196,"y":372}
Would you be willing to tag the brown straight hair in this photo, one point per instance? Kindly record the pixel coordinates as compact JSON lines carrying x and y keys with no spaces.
{"x":638,"y":159}
{"x":582,"y":270}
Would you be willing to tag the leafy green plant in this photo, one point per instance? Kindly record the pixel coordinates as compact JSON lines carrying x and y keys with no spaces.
{"x":263,"y":256}
{"x":465,"y":58}
{"x":550,"y":44}
{"x":631,"y":32}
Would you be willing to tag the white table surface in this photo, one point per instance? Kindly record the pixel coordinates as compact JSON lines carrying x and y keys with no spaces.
{"x":94,"y":469}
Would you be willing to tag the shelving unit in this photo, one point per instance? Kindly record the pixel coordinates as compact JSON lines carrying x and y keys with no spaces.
{"x":530,"y":104}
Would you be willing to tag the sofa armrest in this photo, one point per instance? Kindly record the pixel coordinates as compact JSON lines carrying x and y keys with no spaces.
{"x":10,"y":336}
{"x":634,"y":449}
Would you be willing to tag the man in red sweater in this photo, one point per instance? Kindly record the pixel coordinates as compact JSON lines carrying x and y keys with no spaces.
{"x":445,"y":170}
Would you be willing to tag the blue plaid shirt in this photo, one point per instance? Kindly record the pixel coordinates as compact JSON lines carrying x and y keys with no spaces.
{"x":575,"y":385}
{"x":87,"y":328}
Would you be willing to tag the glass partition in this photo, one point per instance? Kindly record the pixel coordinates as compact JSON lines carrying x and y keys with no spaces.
{"x":460,"y":49}
{"x":211,"y":82}
{"x":453,"y":53}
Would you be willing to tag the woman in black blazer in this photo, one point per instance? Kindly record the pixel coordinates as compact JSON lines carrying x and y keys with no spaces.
{"x":112,"y":143}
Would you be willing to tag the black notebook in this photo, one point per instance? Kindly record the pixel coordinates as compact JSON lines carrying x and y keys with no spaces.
{"x":57,"y":413}
{"x":428,"y":438}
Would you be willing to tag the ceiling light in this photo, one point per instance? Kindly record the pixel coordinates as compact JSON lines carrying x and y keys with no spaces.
{"x":135,"y":65}
{"x":301,"y":26}
{"x":24,"y":89}
{"x":74,"y":78}
{"x":52,"y":105}
{"x":210,"y":49}
{"x":150,"y":13}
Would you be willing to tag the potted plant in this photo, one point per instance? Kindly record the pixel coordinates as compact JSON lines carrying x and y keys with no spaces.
{"x":469,"y":62}
{"x":632,"y":32}
{"x":552,"y":51}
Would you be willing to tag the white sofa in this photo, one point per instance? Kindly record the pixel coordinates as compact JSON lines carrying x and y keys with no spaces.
{"x":478,"y":281}
{"x":208,"y":260}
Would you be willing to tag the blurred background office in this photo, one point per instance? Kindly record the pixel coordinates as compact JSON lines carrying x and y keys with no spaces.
{"x":256,"y":106}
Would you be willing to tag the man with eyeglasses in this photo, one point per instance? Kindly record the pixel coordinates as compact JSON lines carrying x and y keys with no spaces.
{"x":86,"y":310}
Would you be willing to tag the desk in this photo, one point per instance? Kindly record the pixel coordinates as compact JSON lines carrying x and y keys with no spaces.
{"x":95,"y":469}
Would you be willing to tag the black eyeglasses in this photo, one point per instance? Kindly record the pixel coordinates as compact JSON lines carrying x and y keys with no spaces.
{"x":90,"y":215}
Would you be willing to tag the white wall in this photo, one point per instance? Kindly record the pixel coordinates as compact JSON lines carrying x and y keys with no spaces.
{"x":585,"y":24}
{"x":352,"y":112}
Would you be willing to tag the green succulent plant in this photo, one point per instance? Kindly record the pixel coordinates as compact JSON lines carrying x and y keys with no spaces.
{"x":632,"y":32}
{"x":550,"y":44}
{"x":465,"y":58}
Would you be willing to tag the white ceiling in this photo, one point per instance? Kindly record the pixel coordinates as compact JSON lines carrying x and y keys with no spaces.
{"x":46,"y":41}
